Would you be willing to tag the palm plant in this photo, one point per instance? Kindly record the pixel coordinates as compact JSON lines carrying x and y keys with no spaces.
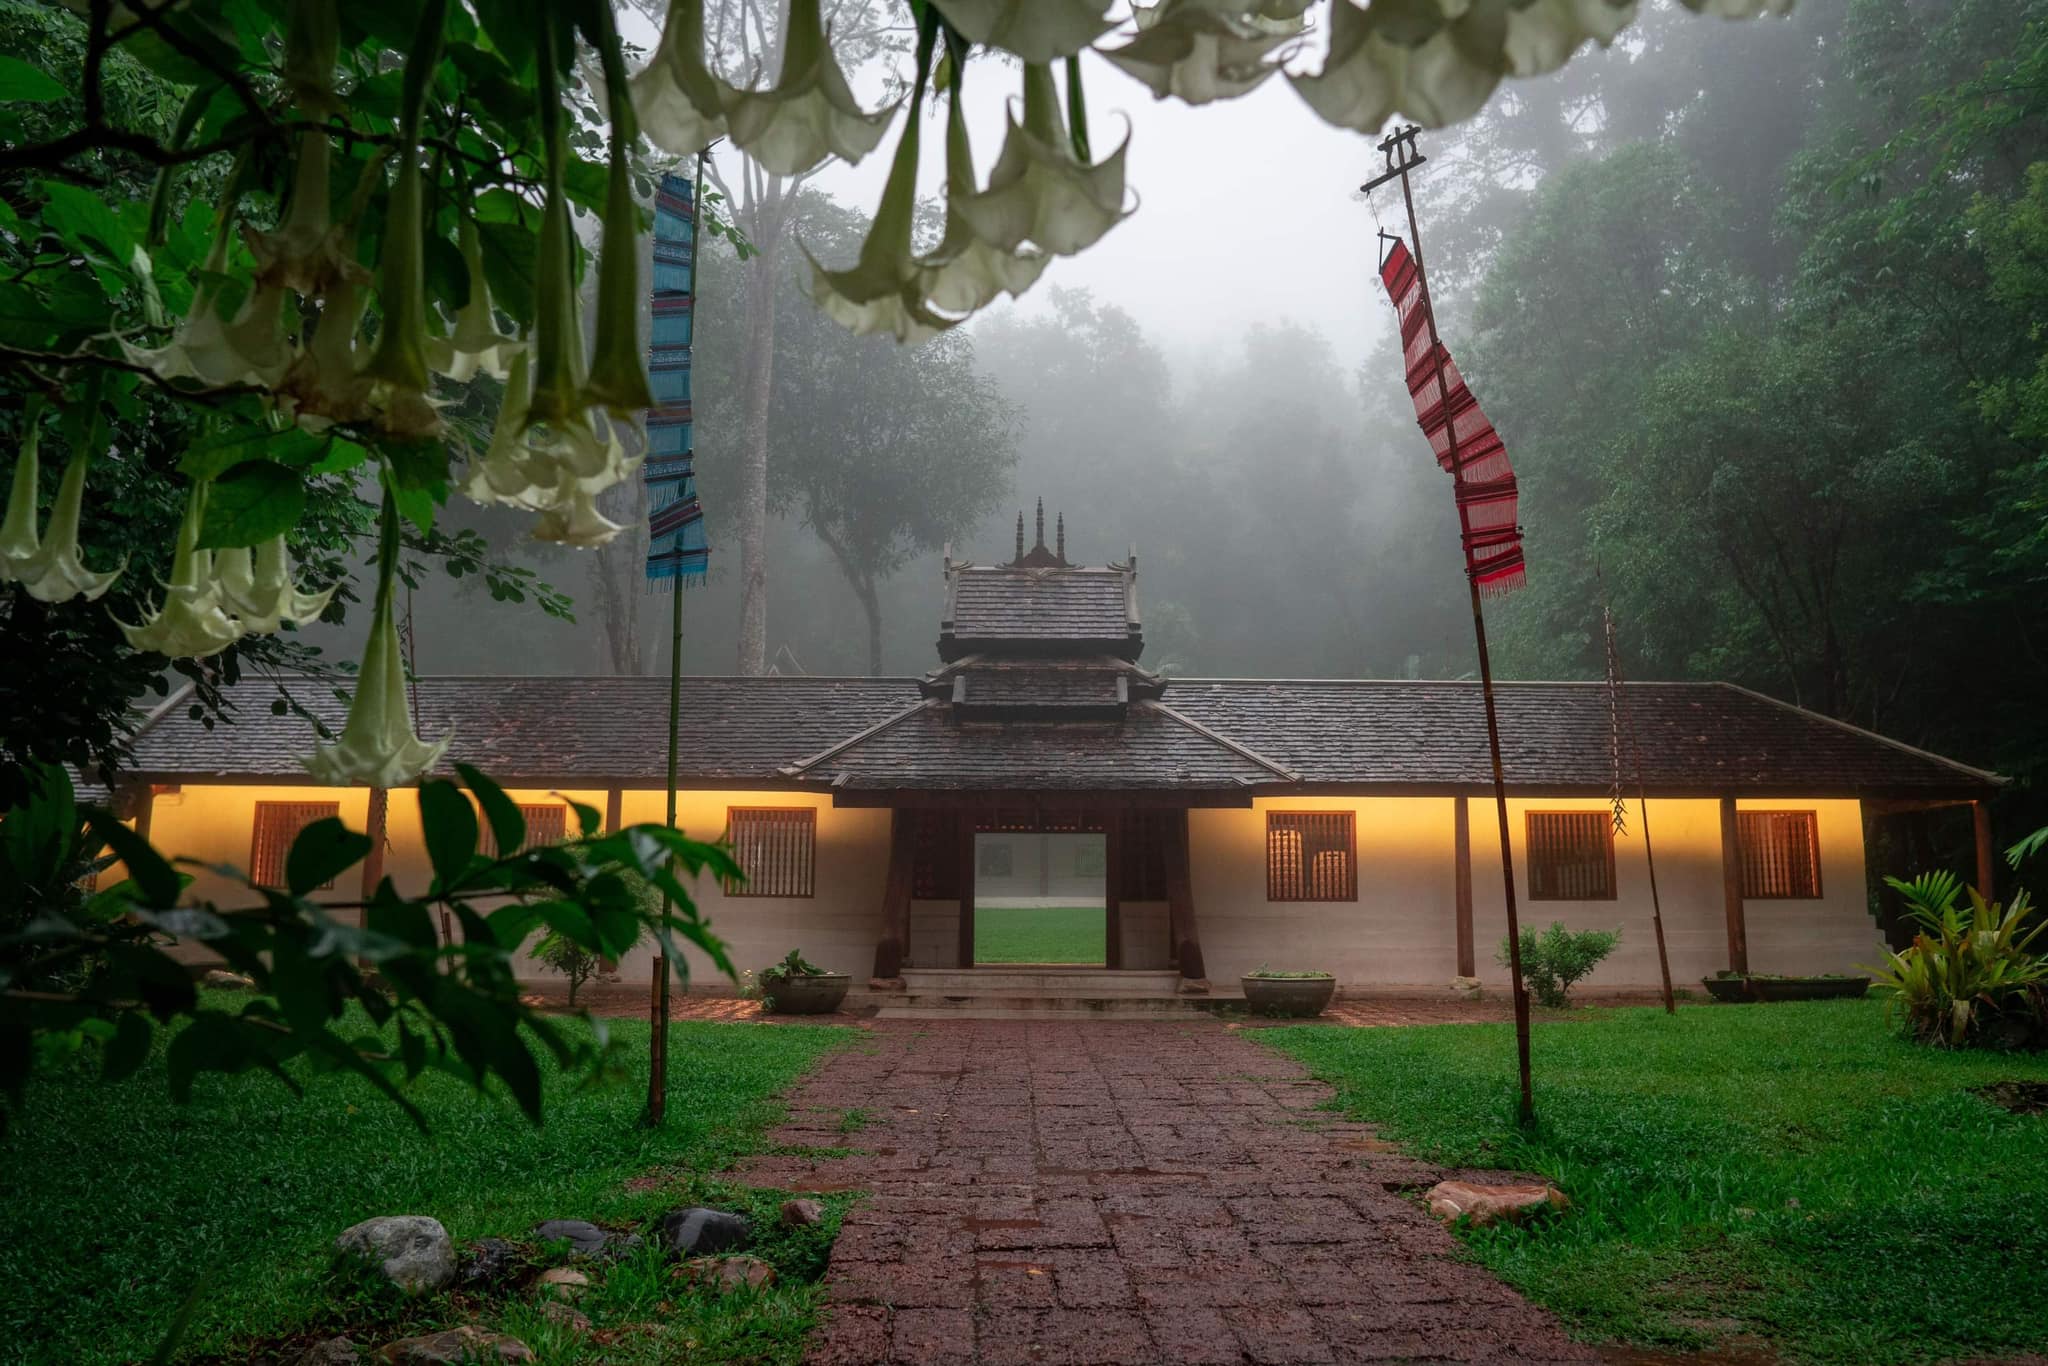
{"x":1970,"y":975}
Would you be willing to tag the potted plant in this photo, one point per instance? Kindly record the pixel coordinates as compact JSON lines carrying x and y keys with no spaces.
{"x":1766,"y":986}
{"x":1292,"y":995}
{"x":795,"y":986}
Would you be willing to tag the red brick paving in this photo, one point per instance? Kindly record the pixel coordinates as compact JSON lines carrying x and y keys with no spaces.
{"x":1081,"y":1192}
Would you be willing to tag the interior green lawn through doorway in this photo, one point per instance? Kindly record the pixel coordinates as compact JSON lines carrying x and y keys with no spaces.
{"x":1039,"y":934}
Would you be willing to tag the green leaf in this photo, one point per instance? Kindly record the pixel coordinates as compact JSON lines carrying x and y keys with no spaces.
{"x":217,"y":454}
{"x":511,"y":256}
{"x":130,"y":1048}
{"x":449,"y":823}
{"x":19,"y":81}
{"x":321,"y":852}
{"x":511,"y":923}
{"x":508,"y":827}
{"x":78,"y":214}
{"x":151,"y":873}
{"x":342,"y":456}
{"x":255,"y":501}
{"x":587,"y":818}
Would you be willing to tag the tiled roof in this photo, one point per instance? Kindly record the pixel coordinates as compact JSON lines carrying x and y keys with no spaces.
{"x":555,"y":730}
{"x":1694,"y":737}
{"x":1060,"y":607}
{"x":1150,"y":749}
{"x":872,"y":733}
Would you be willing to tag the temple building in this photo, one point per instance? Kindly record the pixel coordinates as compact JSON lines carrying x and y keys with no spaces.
{"x":1215,"y":825}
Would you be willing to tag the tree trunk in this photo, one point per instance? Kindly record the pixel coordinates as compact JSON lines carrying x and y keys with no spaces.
{"x":757,"y":374}
{"x":619,"y":574}
{"x":871,"y":604}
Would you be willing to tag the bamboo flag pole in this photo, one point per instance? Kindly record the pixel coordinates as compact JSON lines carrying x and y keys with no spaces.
{"x":1402,"y":157}
{"x":657,"y":1006}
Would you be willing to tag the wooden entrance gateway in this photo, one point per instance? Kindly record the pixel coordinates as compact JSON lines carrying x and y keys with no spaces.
{"x":931,"y":858}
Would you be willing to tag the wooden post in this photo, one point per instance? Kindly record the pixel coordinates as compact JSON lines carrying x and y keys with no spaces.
{"x":657,"y":1043}
{"x":1461,"y":840}
{"x":1987,"y":863}
{"x":1112,"y":906}
{"x":966,"y":839}
{"x":893,"y":945}
{"x":373,"y":862}
{"x":1180,"y":899}
{"x":614,"y":800}
{"x":1731,"y":887}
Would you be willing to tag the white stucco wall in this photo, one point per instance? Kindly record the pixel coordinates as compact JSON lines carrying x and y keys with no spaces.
{"x":1402,"y":928}
{"x":1400,"y":931}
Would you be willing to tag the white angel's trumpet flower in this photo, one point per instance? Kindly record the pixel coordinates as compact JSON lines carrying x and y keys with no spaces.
{"x":576,"y":522}
{"x":476,"y":347}
{"x":964,"y":273}
{"x":261,"y":593}
{"x":810,"y":113}
{"x":50,"y":567}
{"x":193,"y":622}
{"x":883,"y":292}
{"x":249,"y":350}
{"x":397,"y":369}
{"x":1437,"y":61}
{"x":618,"y":366}
{"x":1198,"y":51}
{"x":377,"y":746}
{"x":1036,"y":30}
{"x":681,"y":103}
{"x":1038,"y":192}
{"x":324,"y":385}
{"x":306,"y":252}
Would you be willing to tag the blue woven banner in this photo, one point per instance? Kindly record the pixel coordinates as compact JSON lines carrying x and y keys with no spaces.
{"x":676,"y":547}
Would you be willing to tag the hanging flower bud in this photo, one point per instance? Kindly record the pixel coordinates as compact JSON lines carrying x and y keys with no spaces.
{"x":49,"y":570}
{"x":193,"y":622}
{"x":398,"y":367}
{"x":1201,"y":50}
{"x":557,"y":399}
{"x":965,"y":273}
{"x":476,"y":346}
{"x":263,"y":596}
{"x":1038,"y":192}
{"x":306,"y":252}
{"x":1036,"y":30}
{"x":618,"y":368}
{"x":323,"y":386}
{"x":884,"y":290}
{"x":680,"y":102}
{"x":377,"y":746}
{"x":810,"y":114}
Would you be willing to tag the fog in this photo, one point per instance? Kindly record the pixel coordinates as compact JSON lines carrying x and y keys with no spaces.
{"x":1631,"y":259}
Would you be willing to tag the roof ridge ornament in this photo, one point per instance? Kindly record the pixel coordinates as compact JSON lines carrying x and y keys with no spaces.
{"x":1040,"y":556}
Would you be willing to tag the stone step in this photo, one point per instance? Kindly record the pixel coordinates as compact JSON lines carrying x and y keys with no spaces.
{"x":1041,"y":980}
{"x":1070,"y":1005}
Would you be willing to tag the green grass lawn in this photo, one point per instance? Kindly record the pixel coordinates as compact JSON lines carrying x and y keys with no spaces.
{"x":1793,"y":1171}
{"x":116,"y":1202}
{"x":1039,"y":934}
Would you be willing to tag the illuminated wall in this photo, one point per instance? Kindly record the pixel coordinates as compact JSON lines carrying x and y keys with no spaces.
{"x":1402,"y":928}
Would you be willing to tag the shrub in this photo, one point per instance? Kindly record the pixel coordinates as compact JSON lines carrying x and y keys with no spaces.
{"x":1968,"y":978}
{"x":1554,"y":961}
{"x":569,"y":958}
{"x":793,"y":964}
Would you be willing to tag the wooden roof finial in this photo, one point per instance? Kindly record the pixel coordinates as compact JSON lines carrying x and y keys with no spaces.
{"x":1060,"y":548}
{"x":1020,"y":533}
{"x":1040,"y":544}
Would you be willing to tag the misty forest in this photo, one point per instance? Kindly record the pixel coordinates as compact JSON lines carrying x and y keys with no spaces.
{"x":1753,"y":305}
{"x":689,"y":681}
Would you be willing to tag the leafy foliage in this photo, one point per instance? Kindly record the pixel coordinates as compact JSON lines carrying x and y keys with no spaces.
{"x":1555,"y":960}
{"x":1970,"y":977}
{"x":452,"y":1007}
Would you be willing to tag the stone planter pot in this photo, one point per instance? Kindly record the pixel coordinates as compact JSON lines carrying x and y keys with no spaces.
{"x":1785,"y":988}
{"x":815,"y":994}
{"x":1288,"y":997}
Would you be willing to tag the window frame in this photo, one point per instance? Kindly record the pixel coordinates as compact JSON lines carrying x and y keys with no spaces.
{"x":1807,"y":817}
{"x":487,"y":838}
{"x":320,"y":810}
{"x":805,"y":817}
{"x":1277,"y":889}
{"x":1544,"y":888}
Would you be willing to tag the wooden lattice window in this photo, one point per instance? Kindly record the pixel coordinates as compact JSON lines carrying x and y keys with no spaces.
{"x":935,"y":865}
{"x":546,"y":823}
{"x":1571,"y":856}
{"x":1780,"y":855}
{"x":1311,"y":856}
{"x":277,"y":825}
{"x":777,"y":848}
{"x":1141,"y":854}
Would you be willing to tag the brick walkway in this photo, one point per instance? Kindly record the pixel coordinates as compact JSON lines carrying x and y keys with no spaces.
{"x":1124,"y":1192}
